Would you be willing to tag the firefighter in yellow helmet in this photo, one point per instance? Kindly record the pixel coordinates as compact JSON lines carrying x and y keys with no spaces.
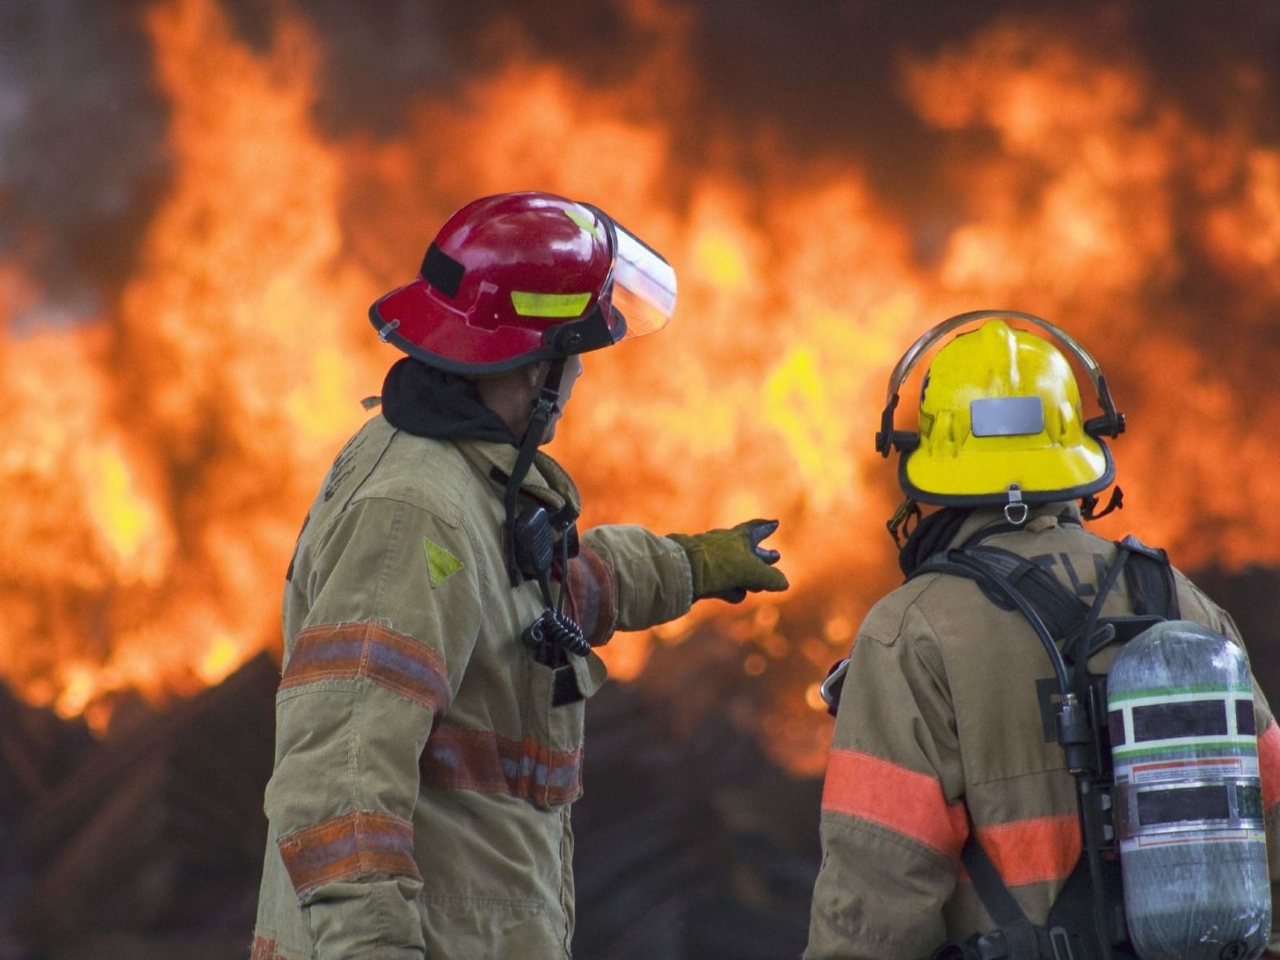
{"x":441,"y":613}
{"x":966,"y":809}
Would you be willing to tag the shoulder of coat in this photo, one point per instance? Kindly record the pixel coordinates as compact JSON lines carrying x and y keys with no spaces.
{"x":431,"y":475}
{"x":885,"y":620}
{"x":1196,"y":605}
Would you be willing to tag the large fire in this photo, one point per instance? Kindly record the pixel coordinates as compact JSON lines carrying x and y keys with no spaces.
{"x":158,"y":459}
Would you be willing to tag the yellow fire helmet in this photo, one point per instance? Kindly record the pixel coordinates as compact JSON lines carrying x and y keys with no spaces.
{"x":1000,"y":418}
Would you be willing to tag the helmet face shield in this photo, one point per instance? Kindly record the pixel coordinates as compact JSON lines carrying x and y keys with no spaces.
{"x":644,"y":283}
{"x":639,"y":296}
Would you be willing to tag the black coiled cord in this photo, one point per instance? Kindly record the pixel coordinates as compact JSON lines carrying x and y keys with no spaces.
{"x":553,"y":635}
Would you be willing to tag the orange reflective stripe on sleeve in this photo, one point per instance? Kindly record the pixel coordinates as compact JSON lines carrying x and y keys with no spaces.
{"x":356,"y":846}
{"x":910,"y":803}
{"x":371,"y":650}
{"x":1035,"y":850}
{"x":592,"y":594}
{"x":1269,"y":764}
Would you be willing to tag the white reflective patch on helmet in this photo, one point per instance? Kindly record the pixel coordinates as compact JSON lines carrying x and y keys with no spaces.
{"x":1006,"y":416}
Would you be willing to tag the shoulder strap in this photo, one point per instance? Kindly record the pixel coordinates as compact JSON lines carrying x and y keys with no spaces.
{"x":1061,"y":611}
{"x":1015,"y":936}
{"x":1149,"y":577}
{"x":989,"y":885}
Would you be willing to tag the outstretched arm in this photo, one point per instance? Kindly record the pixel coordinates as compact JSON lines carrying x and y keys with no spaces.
{"x":627,"y":578}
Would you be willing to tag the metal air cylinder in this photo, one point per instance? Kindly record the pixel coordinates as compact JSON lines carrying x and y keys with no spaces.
{"x":1188,"y":798}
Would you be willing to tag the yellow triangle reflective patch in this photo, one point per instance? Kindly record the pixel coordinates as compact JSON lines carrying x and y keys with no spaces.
{"x":441,"y":564}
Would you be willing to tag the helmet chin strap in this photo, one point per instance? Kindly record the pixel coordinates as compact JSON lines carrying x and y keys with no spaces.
{"x":544,"y":409}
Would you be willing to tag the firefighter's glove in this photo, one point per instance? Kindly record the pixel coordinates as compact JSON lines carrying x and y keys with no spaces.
{"x":729,"y":564}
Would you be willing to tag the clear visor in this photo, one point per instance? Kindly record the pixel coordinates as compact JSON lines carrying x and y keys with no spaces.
{"x":644,"y":284}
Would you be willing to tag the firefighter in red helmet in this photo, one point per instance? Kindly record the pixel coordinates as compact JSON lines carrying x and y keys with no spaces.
{"x":441,"y":610}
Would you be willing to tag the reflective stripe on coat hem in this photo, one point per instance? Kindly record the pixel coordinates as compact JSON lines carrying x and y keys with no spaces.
{"x":456,"y":759}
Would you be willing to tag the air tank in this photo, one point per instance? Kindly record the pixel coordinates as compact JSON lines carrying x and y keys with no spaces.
{"x":1188,"y":798}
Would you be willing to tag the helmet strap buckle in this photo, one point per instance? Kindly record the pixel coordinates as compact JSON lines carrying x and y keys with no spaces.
{"x":1089,"y":505}
{"x":904,"y":521}
{"x":544,"y":408}
{"x":889,"y":439}
{"x":1016,"y":510}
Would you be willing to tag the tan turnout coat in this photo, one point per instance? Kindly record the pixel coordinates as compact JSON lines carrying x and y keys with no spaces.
{"x":420,"y":800}
{"x":939,"y":725}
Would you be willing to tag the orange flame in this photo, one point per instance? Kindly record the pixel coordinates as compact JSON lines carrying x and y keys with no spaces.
{"x":162,"y":458}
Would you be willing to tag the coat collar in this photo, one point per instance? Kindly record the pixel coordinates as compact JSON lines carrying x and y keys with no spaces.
{"x":547,"y":481}
{"x":1039,"y":517}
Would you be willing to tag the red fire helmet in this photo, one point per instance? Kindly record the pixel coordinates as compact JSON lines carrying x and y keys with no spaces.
{"x":520,"y":277}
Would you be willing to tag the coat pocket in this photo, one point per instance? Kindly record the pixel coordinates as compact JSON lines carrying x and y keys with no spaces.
{"x":551,"y":750}
{"x":487,"y":928}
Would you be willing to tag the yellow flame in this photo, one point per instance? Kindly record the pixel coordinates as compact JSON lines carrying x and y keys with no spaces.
{"x":800,"y":404}
{"x":80,"y":683}
{"x":224,"y":654}
{"x":127,"y":520}
{"x":719,"y":260}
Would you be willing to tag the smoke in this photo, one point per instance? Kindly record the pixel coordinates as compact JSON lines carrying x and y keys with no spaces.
{"x":82,"y":125}
{"x":81,"y":159}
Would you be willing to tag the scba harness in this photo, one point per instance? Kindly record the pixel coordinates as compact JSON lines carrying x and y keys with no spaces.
{"x":1164,"y":755}
{"x":1087,"y":919}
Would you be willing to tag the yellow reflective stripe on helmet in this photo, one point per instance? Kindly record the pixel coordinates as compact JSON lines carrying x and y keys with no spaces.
{"x":585,"y":222}
{"x":549,"y":304}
